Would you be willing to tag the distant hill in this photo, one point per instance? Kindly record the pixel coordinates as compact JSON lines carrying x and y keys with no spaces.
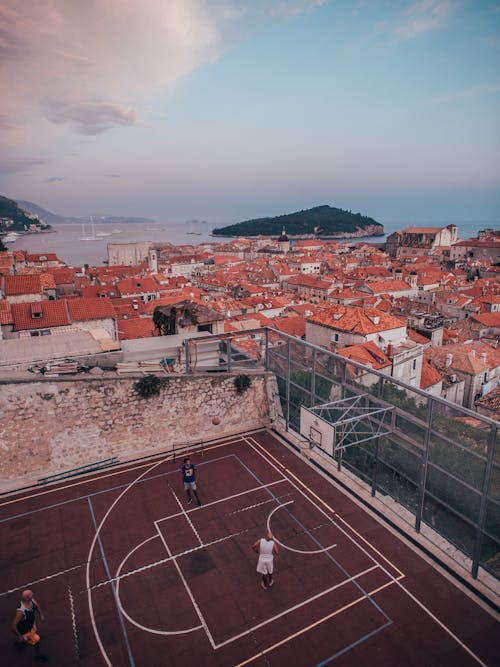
{"x":50,"y":218}
{"x":13,"y":217}
{"x":318,"y":221}
{"x":54,"y":219}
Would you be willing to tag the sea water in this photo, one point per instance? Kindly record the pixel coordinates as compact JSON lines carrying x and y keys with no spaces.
{"x":66,"y":241}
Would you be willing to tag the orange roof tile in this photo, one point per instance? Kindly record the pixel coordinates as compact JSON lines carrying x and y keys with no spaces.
{"x":138,"y":327}
{"x":430,"y":375}
{"x":368,"y":354}
{"x":137,"y":285}
{"x":40,"y":315}
{"x":356,"y":320}
{"x":17,"y":285}
{"x":5,"y":312}
{"x":487,"y":319}
{"x":42,"y":257}
{"x":91,"y":309}
{"x":47,"y":281}
{"x":294,"y":325}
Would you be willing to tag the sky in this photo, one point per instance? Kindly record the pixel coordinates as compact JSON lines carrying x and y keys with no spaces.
{"x":225,"y":110}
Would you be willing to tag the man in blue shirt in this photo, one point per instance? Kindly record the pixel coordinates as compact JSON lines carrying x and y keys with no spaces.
{"x":189,"y":477}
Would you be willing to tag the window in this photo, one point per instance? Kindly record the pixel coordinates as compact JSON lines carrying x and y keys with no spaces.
{"x":336,"y":337}
{"x":414,"y":364}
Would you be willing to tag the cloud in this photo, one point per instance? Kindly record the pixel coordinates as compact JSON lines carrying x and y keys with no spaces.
{"x":424,"y":16}
{"x":289,"y":9}
{"x":94,"y":65}
{"x":14,"y":165}
{"x":472,"y":91}
{"x":112,"y":175}
{"x":91,"y":117}
{"x":53,"y":179}
{"x":417,"y":19}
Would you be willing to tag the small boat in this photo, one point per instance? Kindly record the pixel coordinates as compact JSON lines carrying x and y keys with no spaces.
{"x":116,"y":231}
{"x":11,"y":237}
{"x":101,"y":234}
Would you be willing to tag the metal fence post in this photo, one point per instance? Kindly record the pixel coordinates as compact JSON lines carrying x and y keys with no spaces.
{"x":343,"y":376}
{"x":375,"y":468}
{"x":423,"y":468}
{"x":266,"y":351}
{"x":476,"y":553}
{"x":313,"y":378}
{"x":288,"y":373}
{"x":380,"y":393}
{"x":186,"y":355}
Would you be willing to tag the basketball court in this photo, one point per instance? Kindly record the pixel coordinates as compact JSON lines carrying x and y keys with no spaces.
{"x":129,"y":574}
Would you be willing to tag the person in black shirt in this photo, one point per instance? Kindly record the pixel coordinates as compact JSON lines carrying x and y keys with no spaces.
{"x":24,"y":624}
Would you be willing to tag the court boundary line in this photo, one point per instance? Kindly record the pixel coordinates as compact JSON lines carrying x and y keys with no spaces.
{"x":329,"y":555}
{"x":36,"y":510}
{"x":396,"y":580}
{"x":270,"y":619}
{"x":316,"y":623}
{"x":123,"y":471}
{"x":328,"y":507}
{"x":183,"y":553}
{"x":97,"y":537}
{"x":236,"y":442}
{"x":107,"y":570}
{"x":39,"y":581}
{"x":351,"y":579}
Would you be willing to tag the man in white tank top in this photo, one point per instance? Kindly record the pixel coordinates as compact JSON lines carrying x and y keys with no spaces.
{"x":266,"y":548}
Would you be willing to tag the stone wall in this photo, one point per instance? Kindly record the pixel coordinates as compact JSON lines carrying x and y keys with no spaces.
{"x":56,"y":424}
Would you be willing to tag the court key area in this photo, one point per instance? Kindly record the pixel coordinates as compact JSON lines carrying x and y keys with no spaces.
{"x":129,"y":574}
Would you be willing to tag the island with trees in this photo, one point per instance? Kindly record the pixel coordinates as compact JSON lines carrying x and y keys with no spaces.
{"x":324,"y":221}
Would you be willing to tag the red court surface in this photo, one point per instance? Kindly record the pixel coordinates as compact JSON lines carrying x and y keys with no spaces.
{"x":129,"y":574}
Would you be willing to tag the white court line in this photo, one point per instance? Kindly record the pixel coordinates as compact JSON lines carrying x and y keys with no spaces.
{"x":172,"y":557}
{"x":182,"y":553}
{"x":263,"y":502}
{"x":73,"y":622}
{"x":91,"y":551}
{"x":187,"y":518}
{"x":298,"y":606}
{"x":223,"y":500}
{"x":298,"y":551}
{"x":127,"y":616}
{"x":96,"y":537}
{"x":39,"y":581}
{"x":191,"y":596}
{"x":396,"y":580}
{"x":266,"y":456}
{"x":306,"y":628}
{"x":123,"y":471}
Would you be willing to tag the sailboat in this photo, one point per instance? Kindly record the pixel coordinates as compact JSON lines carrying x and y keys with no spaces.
{"x":92,"y":236}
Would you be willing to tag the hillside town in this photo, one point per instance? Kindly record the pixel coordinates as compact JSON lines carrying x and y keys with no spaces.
{"x":425,"y":310}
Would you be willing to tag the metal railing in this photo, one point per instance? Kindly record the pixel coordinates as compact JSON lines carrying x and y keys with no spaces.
{"x":439,"y":460}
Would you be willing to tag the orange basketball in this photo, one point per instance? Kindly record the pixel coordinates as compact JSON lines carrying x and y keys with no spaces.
{"x":215,"y":421}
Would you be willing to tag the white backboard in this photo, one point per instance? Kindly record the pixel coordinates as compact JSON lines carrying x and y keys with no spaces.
{"x":318,"y":431}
